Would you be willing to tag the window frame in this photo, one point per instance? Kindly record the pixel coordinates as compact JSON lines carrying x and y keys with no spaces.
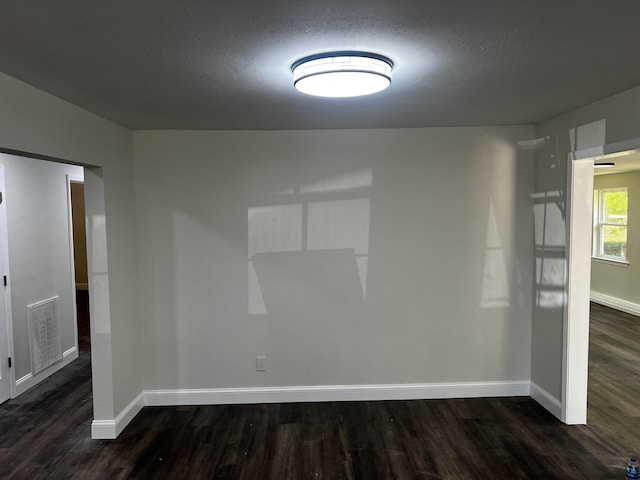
{"x":599,"y":224}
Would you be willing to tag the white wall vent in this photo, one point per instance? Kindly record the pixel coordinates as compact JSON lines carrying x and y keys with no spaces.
{"x":44,"y":334}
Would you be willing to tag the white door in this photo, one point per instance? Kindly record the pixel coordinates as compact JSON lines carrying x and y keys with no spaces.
{"x":5,"y":331}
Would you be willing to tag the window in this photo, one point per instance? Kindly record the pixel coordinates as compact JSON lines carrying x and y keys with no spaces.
{"x":610,"y":224}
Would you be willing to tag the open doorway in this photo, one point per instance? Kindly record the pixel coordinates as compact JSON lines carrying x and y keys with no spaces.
{"x":78,"y":225}
{"x":615,"y":280}
{"x":580,"y":228}
{"x":21,"y":189}
{"x":43,"y":334}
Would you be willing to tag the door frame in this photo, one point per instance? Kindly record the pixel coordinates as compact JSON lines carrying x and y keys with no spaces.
{"x":4,"y":255}
{"x":73,"y":179}
{"x":575,"y":355}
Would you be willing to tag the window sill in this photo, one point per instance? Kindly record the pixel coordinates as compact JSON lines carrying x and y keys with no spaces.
{"x":610,"y":261}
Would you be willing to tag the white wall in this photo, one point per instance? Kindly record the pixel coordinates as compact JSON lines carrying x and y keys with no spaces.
{"x":36,"y":122}
{"x":39,"y":254}
{"x":611,"y":120}
{"x":621,"y":282}
{"x":344,"y":257}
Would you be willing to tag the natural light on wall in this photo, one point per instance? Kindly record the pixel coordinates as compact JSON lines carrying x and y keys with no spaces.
{"x":550,"y":244}
{"x":318,"y":231}
{"x":495,"y":284}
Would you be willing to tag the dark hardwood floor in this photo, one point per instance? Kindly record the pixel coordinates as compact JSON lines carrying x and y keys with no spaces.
{"x":44,"y":434}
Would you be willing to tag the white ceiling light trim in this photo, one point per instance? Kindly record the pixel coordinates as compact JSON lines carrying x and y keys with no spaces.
{"x":342,"y":74}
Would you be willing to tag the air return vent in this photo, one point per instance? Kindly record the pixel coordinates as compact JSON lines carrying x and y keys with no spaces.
{"x":45,"y":335}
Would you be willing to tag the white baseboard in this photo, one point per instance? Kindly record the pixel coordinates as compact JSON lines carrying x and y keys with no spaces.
{"x":548,"y":401}
{"x":617,"y":303}
{"x":110,"y":429}
{"x":334,"y":393}
{"x":28,"y":381}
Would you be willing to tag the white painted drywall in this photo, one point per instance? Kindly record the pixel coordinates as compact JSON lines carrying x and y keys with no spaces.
{"x":611,"y":120}
{"x":621,"y":282}
{"x":344,"y":257}
{"x":39,"y":255}
{"x":36,"y":122}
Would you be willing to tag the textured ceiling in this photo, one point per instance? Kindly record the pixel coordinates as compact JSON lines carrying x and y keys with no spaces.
{"x":219,"y":64}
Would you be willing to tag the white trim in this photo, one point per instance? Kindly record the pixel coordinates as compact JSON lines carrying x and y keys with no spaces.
{"x":29,"y":381}
{"x":4,"y":253}
{"x":548,"y":401}
{"x":334,"y":393}
{"x":74,"y":306}
{"x":610,"y":261}
{"x":575,"y":355}
{"x":110,"y":429}
{"x":614,"y":302}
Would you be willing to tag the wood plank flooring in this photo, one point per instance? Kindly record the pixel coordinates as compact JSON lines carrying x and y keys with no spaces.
{"x":44,"y":434}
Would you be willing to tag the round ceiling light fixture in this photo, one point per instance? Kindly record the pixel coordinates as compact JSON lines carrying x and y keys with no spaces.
{"x":342,"y":74}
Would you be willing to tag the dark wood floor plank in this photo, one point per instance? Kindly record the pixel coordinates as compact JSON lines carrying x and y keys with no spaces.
{"x":44,"y":434}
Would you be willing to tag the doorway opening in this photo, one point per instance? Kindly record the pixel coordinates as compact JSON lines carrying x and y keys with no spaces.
{"x":580,"y":217}
{"x":78,"y":235}
{"x":39,"y":272}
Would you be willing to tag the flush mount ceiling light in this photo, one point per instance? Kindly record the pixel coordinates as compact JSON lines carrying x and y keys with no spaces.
{"x":604,"y":165}
{"x":342,"y":74}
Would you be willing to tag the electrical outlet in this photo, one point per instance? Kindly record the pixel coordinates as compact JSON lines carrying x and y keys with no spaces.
{"x":261,"y":364}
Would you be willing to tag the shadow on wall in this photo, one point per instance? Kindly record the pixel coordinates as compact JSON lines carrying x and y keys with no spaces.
{"x":347,"y":263}
{"x":549,"y":216}
{"x":310,"y":261}
{"x":550,"y":211}
{"x":550,"y":274}
{"x":308,"y":255}
{"x":549,"y":295}
{"x":317,"y":232}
